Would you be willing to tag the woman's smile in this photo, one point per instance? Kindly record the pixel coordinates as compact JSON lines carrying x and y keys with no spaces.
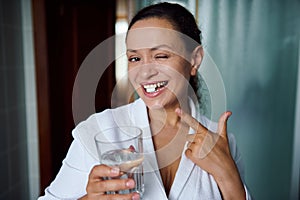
{"x":154,"y":89}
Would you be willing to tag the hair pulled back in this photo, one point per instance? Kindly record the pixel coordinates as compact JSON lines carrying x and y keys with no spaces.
{"x":182,"y":20}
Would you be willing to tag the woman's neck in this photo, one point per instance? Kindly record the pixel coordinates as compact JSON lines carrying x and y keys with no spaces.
{"x":166,"y":117}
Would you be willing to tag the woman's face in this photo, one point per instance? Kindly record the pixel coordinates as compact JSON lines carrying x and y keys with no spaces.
{"x":157,"y":63}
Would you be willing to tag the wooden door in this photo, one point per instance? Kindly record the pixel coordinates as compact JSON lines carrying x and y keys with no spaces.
{"x":65,"y":32}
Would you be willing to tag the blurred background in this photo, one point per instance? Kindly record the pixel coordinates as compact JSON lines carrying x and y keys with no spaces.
{"x":254,"y":43}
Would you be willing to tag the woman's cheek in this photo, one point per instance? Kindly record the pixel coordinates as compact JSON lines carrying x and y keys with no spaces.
{"x":133,"y":79}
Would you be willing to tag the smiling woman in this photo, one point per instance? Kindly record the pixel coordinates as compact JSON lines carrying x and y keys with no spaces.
{"x":186,"y":156}
{"x":158,"y":69}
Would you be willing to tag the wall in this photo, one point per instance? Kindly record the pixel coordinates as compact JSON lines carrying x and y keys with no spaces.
{"x":19,"y":179}
{"x":30,"y":101}
{"x":295,"y":182}
{"x":255,"y":45}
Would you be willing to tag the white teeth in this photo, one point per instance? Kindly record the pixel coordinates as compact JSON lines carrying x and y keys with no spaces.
{"x":149,"y":90}
{"x":152,"y":87}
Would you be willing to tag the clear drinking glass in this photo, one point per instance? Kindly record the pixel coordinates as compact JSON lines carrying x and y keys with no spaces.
{"x":123,"y":147}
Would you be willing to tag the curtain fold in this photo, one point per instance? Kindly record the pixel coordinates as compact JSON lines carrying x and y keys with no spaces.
{"x":255,"y":46}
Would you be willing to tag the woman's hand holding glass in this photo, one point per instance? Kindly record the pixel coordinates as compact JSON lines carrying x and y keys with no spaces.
{"x":98,"y":184}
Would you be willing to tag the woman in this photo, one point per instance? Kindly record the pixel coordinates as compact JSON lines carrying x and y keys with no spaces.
{"x":188,"y":161}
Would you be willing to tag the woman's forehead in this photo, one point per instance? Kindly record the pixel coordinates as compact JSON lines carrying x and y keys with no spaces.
{"x":152,"y":32}
{"x":152,"y":37}
{"x":153,"y":22}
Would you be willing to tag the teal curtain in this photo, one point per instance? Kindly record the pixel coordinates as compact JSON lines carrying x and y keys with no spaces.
{"x":255,"y":46}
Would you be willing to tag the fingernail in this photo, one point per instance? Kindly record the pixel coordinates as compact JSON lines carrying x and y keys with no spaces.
{"x":130,"y":183}
{"x":131,"y":148}
{"x":115,"y":170}
{"x":228,"y":114}
{"x":178,"y":111}
{"x":135,"y":196}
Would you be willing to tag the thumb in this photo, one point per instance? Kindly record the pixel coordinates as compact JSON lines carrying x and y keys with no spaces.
{"x":222,"y":124}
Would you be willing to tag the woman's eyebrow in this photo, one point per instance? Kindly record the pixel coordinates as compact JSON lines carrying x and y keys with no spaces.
{"x":163,"y":46}
{"x":131,"y":50}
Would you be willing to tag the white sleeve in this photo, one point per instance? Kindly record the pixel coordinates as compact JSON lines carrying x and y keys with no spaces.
{"x":70,"y":183}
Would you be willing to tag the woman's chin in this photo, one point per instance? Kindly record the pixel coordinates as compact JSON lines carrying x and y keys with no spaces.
{"x":155,"y":106}
{"x":164,"y":102}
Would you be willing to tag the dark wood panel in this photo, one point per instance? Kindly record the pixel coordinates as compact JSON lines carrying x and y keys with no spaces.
{"x":41,"y":63}
{"x":65,"y":33}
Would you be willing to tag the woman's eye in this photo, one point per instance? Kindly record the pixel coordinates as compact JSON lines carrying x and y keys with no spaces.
{"x":134,"y":59}
{"x":161,"y":56}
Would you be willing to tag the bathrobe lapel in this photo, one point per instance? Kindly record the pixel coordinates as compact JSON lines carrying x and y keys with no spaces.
{"x":154,"y":188}
{"x":186,"y":166}
{"x":153,"y":180}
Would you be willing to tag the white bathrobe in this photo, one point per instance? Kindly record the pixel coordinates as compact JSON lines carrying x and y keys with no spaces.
{"x":191,"y":182}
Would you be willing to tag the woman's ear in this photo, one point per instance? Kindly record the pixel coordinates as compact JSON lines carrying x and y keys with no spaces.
{"x":197,"y":56}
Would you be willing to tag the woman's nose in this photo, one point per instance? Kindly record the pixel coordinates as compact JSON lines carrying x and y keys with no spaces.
{"x":148,"y":70}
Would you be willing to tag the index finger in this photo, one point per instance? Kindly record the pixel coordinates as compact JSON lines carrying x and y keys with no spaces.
{"x":100,"y":171}
{"x":191,"y":121}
